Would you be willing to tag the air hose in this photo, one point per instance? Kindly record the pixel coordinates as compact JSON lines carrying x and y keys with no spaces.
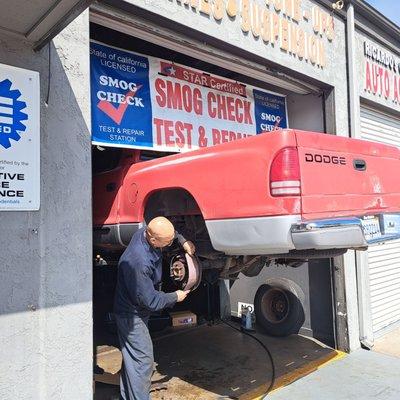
{"x":271,"y":385}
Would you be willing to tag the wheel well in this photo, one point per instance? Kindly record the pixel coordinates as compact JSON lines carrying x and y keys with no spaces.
{"x":170,"y":202}
{"x":181,"y":208}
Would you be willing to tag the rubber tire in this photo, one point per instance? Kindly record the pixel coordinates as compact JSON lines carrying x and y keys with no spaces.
{"x":294,"y":319}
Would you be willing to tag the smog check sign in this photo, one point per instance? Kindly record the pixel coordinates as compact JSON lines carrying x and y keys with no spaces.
{"x":145,"y":102}
{"x":19,"y":139}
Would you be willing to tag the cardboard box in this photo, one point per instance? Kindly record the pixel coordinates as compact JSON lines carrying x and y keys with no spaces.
{"x":183,"y":318}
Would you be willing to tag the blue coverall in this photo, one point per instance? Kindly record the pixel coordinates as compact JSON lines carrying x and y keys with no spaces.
{"x":139,"y":271}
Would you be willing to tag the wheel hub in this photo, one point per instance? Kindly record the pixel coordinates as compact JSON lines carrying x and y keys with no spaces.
{"x":279,"y":306}
{"x":185,"y":271}
{"x":275,"y":305}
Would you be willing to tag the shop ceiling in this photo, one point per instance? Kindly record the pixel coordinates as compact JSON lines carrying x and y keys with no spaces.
{"x":40,"y":20}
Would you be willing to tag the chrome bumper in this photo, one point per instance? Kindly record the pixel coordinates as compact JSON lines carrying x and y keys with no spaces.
{"x":351,"y":232}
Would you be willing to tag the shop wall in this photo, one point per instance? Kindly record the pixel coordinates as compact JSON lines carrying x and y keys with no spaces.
{"x":45,"y":269}
{"x":329,"y":70}
{"x":314,"y":283}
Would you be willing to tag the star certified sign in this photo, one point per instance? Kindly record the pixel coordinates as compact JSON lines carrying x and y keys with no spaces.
{"x":19,"y":139}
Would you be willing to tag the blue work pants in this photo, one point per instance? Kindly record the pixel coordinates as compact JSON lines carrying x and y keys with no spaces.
{"x":138,"y":359}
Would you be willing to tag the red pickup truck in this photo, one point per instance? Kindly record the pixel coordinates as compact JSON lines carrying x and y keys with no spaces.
{"x":287,"y":194}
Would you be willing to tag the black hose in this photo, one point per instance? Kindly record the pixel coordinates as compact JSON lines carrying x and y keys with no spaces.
{"x":271,"y":385}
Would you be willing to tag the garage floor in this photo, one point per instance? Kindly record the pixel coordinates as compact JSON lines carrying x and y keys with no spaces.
{"x":215,"y":362}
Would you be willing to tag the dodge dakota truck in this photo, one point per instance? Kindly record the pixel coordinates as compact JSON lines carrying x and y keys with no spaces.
{"x":287,"y":196}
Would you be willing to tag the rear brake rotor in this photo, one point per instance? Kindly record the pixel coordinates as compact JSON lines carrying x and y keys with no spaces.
{"x":185,"y":271}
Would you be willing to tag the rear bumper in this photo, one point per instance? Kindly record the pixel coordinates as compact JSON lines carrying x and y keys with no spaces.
{"x":271,"y":235}
{"x":344,"y":232}
{"x":277,"y":235}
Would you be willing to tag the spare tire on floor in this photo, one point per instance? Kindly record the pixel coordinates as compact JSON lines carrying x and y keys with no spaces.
{"x":278,"y":306}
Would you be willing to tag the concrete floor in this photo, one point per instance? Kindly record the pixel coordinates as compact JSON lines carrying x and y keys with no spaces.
{"x":363,"y":374}
{"x":388,"y":344}
{"x":211,"y":370}
{"x":223,"y":363}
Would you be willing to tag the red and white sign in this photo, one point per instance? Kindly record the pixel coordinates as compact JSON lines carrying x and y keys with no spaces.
{"x":194,"y":109}
{"x":146,"y":102}
{"x":382,"y":73}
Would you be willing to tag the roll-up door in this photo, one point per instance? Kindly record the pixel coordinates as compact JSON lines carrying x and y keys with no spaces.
{"x":383,"y":260}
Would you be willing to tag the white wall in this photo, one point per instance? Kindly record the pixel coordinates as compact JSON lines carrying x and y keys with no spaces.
{"x":45,"y":259}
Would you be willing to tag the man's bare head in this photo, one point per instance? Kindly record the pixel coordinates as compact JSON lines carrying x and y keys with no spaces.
{"x":160,"y":232}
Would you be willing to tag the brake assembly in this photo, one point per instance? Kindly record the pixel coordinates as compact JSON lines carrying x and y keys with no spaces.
{"x":185,"y":271}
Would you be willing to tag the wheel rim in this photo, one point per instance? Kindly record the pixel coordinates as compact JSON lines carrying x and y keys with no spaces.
{"x":275,"y":305}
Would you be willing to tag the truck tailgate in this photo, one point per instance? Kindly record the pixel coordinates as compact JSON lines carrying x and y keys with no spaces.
{"x":342,"y":176}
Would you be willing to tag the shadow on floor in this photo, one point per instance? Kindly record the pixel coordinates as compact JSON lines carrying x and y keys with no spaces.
{"x":215,"y":362}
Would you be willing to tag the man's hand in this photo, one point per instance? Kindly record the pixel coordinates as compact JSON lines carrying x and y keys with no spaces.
{"x":189,"y":247}
{"x":182,"y":295}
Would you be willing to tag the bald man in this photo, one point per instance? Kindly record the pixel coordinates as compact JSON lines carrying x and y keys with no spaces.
{"x":139,"y":271}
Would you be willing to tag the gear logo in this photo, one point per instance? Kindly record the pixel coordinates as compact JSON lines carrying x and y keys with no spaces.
{"x":11,"y":116}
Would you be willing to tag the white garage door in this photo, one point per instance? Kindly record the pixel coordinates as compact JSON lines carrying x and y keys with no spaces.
{"x":383,"y":260}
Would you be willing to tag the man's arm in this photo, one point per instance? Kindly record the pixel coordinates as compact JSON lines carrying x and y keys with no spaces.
{"x":181,"y":239}
{"x":140,"y":287}
{"x":187,"y":245}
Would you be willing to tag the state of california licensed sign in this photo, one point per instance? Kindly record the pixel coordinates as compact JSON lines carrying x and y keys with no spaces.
{"x":145,"y":102}
{"x":19,"y":139}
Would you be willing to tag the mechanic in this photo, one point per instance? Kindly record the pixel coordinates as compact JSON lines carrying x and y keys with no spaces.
{"x":139,"y":270}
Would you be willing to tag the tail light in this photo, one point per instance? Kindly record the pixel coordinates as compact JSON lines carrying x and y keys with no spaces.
{"x":285,"y":173}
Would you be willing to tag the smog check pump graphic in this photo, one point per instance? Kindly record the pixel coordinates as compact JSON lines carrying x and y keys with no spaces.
{"x":11,"y":116}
